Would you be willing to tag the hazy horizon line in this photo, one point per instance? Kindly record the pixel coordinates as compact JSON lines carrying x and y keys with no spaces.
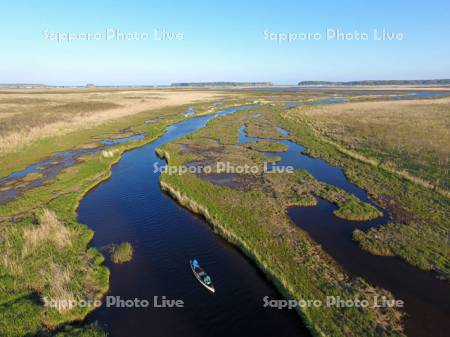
{"x":268,"y":83}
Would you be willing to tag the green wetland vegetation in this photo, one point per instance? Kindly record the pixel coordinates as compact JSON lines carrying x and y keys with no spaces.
{"x":251,"y":213}
{"x":267,"y":146}
{"x":45,"y":259}
{"x":418,"y":230}
{"x":122,"y":252}
{"x":45,"y":254}
{"x":91,"y":330}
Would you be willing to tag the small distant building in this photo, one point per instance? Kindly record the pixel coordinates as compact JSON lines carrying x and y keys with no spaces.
{"x":90,"y":85}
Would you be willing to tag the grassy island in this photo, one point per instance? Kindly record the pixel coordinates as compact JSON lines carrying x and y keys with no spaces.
{"x":122,"y":252}
{"x":250,"y":212}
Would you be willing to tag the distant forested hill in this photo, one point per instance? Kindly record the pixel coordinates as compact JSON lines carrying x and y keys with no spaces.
{"x":220,"y":84}
{"x":380,"y":82}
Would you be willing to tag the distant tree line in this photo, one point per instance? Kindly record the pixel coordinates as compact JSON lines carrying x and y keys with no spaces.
{"x":380,"y":82}
{"x":220,"y":84}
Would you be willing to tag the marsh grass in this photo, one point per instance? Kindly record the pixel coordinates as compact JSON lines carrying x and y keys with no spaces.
{"x":408,"y":137}
{"x":70,"y":138}
{"x":59,"y":278}
{"x":46,"y":272}
{"x":29,"y":117}
{"x":91,"y":330}
{"x":44,"y":251}
{"x":108,"y":153}
{"x":122,"y":252}
{"x":427,"y":211}
{"x":267,"y":146}
{"x":357,"y":211}
{"x":49,"y":229}
{"x":255,"y":221}
{"x":423,"y":247}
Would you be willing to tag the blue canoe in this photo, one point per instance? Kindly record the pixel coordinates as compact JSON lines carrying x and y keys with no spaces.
{"x":201,"y":275}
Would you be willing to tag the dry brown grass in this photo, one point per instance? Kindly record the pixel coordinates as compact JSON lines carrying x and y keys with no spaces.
{"x":415,"y":125}
{"x":58,"y":279}
{"x":8,"y":257}
{"x":49,"y":229}
{"x":393,"y":87}
{"x":108,"y":153}
{"x":410,"y":137}
{"x":27,"y":116}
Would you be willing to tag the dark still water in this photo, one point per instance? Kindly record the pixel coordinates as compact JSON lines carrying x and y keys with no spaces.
{"x":394,"y":94}
{"x":318,"y":168}
{"x":427,"y":299}
{"x":131,"y":207}
{"x":12,"y":186}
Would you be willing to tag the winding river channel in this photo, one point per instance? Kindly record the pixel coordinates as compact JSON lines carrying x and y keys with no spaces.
{"x":130,"y":206}
{"x":427,"y":299}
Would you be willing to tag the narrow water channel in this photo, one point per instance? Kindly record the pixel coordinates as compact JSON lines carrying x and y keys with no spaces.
{"x":398,"y":94}
{"x":14,"y":185}
{"x":130,"y":206}
{"x":427,"y":299}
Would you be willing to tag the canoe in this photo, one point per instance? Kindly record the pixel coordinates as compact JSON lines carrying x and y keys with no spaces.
{"x":201,"y":275}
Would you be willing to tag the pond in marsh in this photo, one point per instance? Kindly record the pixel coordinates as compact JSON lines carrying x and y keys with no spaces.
{"x":318,"y":168}
{"x":131,"y":207}
{"x":393,"y":94}
{"x":15,"y":184}
{"x":319,"y":101}
{"x":427,"y":299}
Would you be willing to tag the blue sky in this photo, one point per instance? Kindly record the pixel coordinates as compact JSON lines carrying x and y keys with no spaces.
{"x":222,"y":41}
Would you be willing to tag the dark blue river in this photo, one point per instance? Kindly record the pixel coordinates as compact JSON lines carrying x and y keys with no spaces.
{"x":427,"y":299}
{"x":131,"y":207}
